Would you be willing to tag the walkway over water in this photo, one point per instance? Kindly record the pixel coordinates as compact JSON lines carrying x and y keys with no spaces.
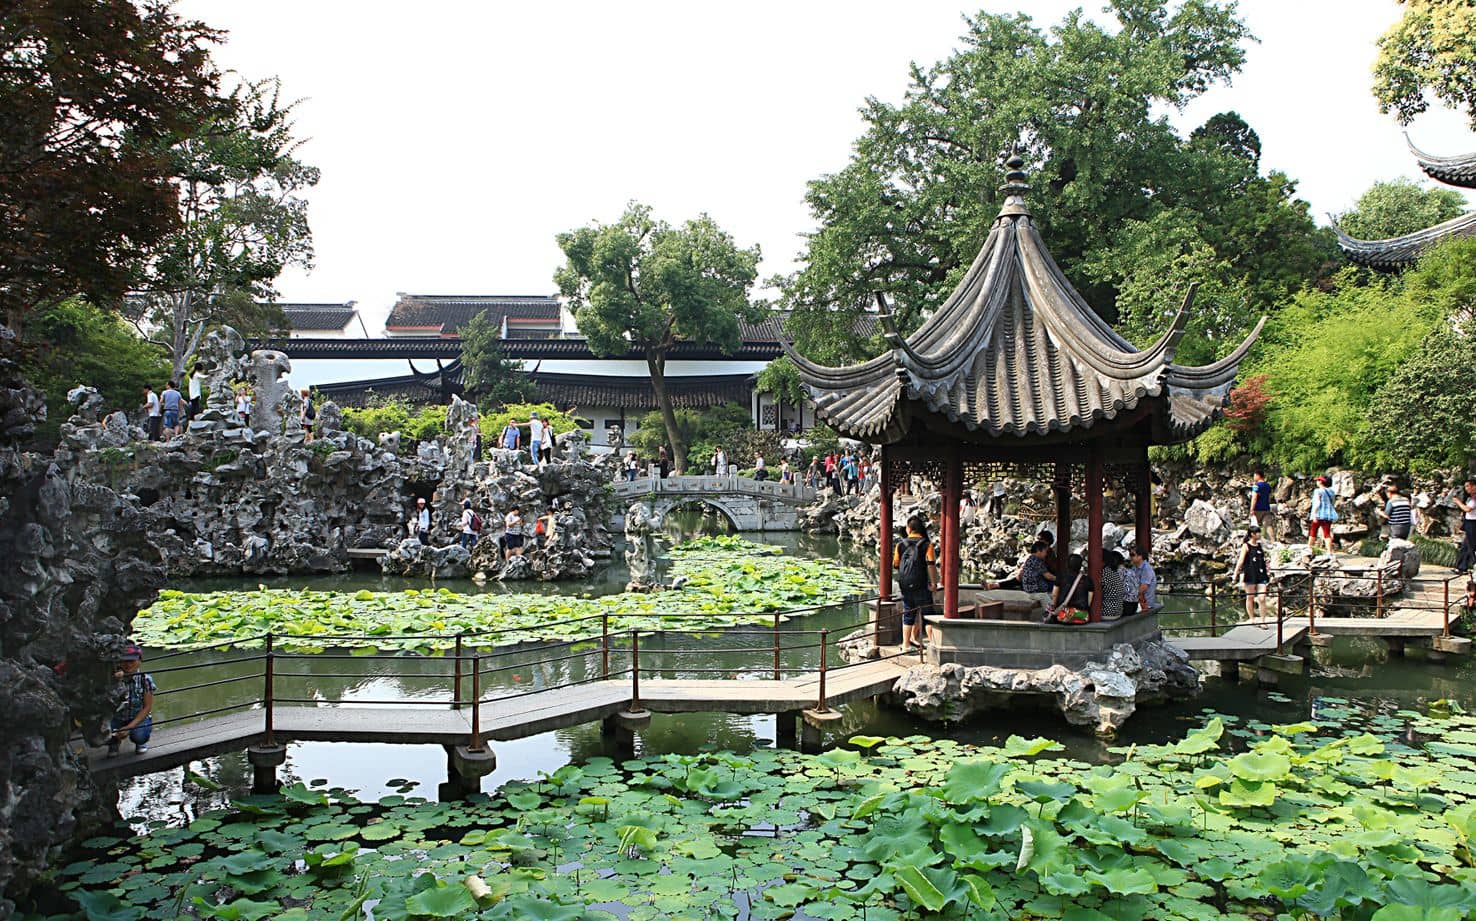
{"x":752,"y":505}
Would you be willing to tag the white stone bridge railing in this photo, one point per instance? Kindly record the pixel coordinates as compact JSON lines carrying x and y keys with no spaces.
{"x":752,"y":505}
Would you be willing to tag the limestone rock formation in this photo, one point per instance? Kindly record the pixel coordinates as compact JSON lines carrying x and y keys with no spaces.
{"x":78,"y":567}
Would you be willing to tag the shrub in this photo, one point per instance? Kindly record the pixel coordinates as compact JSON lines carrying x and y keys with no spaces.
{"x":420,"y":423}
{"x":493,"y":423}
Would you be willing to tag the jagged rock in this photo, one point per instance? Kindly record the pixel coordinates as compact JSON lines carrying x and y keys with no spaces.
{"x":1344,"y":484}
{"x":516,"y":568}
{"x":412,"y":558}
{"x":270,"y":390}
{"x":1204,"y":521}
{"x":1404,"y":555}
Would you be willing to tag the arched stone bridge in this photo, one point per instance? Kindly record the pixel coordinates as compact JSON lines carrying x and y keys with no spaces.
{"x":752,"y":505}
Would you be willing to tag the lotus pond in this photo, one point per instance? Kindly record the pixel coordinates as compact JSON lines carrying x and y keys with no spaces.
{"x":1358,"y":814}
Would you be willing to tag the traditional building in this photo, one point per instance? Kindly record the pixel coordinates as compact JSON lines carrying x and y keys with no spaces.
{"x":323,"y":321}
{"x":1015,"y":374}
{"x":1397,"y":253}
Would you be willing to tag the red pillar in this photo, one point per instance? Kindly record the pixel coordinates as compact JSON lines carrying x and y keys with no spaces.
{"x":952,"y":493}
{"x":1094,"y":526}
{"x":1063,"y":515}
{"x":1143,"y":511}
{"x":884,"y":538}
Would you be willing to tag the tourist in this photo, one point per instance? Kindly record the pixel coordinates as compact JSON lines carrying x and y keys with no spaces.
{"x":243,"y":405}
{"x":512,"y":533}
{"x":535,"y":437}
{"x":1260,"y":503}
{"x":967,"y":511}
{"x":1398,"y":511}
{"x":632,"y":467}
{"x":812,"y":472}
{"x":786,"y":475}
{"x":548,"y":442}
{"x":1129,"y":586}
{"x":1252,"y":572}
{"x":422,"y":521}
{"x":151,"y":413}
{"x":511,"y":435}
{"x":471,"y":523}
{"x":1036,"y":577}
{"x":916,"y":561}
{"x":1467,"y":503}
{"x":1113,"y":591}
{"x":544,"y":527}
{"x":309,"y":416}
{"x":663,"y":462}
{"x":1323,"y":515}
{"x":1146,"y":582}
{"x":830,"y":478}
{"x":1073,"y":594}
{"x":760,"y":471}
{"x":132,"y":718}
{"x":863,"y":472}
{"x":473,"y":436}
{"x":996,"y":500}
{"x":172,"y":402}
{"x":720,"y":462}
{"x":197,"y":379}
{"x":850,"y":472}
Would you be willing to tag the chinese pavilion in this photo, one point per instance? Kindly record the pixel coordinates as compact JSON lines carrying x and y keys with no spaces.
{"x":1015,"y":375}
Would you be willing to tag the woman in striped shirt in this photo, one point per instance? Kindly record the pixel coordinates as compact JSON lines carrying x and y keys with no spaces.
{"x":1399,"y":513}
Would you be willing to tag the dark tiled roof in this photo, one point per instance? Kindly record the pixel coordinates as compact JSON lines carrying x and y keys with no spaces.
{"x":1398,"y":253}
{"x":447,"y":313}
{"x":635,"y":393}
{"x":318,"y":316}
{"x":1457,"y":171}
{"x":530,"y":349}
{"x":1014,"y":352}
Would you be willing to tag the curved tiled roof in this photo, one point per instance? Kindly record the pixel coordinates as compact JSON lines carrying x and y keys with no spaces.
{"x":524,"y":349}
{"x":317,"y":317}
{"x":1016,"y":351}
{"x":1402,"y":252}
{"x":1457,"y":171}
{"x":449,"y":312}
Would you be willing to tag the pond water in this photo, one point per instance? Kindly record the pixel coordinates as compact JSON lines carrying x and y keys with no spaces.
{"x":1360,"y":671}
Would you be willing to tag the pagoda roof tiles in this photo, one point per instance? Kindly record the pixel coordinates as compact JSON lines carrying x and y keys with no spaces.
{"x":317,"y":316}
{"x":1457,"y":171}
{"x":449,"y":312}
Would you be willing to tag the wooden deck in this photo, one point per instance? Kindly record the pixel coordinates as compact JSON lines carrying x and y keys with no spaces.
{"x":1244,"y":643}
{"x":500,"y":719}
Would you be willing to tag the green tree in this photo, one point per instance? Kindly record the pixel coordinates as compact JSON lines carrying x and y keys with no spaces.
{"x":74,"y":343}
{"x":242,"y":220}
{"x":1419,"y":419}
{"x":642,"y":285}
{"x":93,"y":93}
{"x":1429,"y":52}
{"x":780,"y":379}
{"x":1400,"y":206}
{"x":490,"y":379}
{"x":913,"y":206}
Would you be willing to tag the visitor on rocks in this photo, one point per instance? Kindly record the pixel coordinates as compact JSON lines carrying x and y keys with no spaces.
{"x":472,"y":433}
{"x":812,"y":472}
{"x":1467,"y":502}
{"x":863,"y":472}
{"x":719,"y":462}
{"x":1073,"y":594}
{"x":786,"y":475}
{"x":1253,"y":574}
{"x":535,"y":437}
{"x":471,"y":525}
{"x":172,"y":402}
{"x":663,"y":462}
{"x":309,"y":415}
{"x":916,"y":562}
{"x":632,"y":467}
{"x":967,"y":510}
{"x":1260,"y":503}
{"x":197,"y":379}
{"x":422,"y":521}
{"x":1398,"y":512}
{"x":546,"y":455}
{"x":152,"y":418}
{"x":760,"y":472}
{"x":1113,"y":591}
{"x":1323,"y":515}
{"x":511,"y":435}
{"x":545,"y":526}
{"x":830,"y":478}
{"x":243,"y":405}
{"x":512,"y":533}
{"x":132,"y":719}
{"x":996,"y":500}
{"x":1146,"y":581}
{"x":850,"y":472}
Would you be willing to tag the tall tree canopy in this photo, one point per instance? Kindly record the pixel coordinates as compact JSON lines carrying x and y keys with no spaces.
{"x":1400,"y":206}
{"x":242,"y":220}
{"x":490,"y":379}
{"x":1084,"y":103}
{"x":1429,"y":52}
{"x":94,"y":93}
{"x":641,"y":284}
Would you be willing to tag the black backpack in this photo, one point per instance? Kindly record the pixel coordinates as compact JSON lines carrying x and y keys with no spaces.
{"x":912,"y":563}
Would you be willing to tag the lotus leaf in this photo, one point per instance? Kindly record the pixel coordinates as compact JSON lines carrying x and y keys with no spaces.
{"x":1260,"y":766}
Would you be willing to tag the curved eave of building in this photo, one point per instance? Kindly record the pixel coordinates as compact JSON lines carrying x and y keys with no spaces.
{"x":1398,"y":253}
{"x":1457,"y":171}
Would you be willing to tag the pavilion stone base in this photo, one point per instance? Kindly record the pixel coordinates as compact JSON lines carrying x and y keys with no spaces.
{"x":1094,"y":675}
{"x":1020,"y":645}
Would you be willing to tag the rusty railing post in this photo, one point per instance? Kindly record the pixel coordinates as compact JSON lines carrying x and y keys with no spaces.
{"x":1214,"y":611}
{"x":824,"y":642}
{"x":1445,"y":609}
{"x":1379,"y":598}
{"x":270,"y":691}
{"x":1280,"y":637}
{"x":776,"y":645}
{"x":476,"y":732}
{"x":635,"y":670}
{"x":605,"y":645}
{"x":456,"y":695}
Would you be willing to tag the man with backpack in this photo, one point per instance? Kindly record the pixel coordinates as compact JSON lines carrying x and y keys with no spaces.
{"x":916,"y":561}
{"x":471,"y":525}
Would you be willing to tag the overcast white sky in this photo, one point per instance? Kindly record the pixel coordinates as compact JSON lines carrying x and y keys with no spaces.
{"x":456,"y":138}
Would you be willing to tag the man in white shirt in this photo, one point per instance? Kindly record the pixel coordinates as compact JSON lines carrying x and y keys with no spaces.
{"x":154,"y":422}
{"x":196,"y":378}
{"x":536,"y":431}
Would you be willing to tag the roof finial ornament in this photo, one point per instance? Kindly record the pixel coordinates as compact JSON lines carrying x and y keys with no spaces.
{"x":1015,"y":185}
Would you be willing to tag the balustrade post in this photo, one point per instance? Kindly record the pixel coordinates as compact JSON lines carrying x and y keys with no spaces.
{"x":270,"y":691}
{"x":456,"y":692}
{"x":824,"y":643}
{"x":635,"y":670}
{"x":605,"y":645}
{"x":1214,"y":612}
{"x":1379,"y":598}
{"x":776,"y":645}
{"x":1280,"y":637}
{"x":476,"y":731}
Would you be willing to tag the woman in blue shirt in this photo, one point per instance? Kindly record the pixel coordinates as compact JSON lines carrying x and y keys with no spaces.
{"x":1323,"y":514}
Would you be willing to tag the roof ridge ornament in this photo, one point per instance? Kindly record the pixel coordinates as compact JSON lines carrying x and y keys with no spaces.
{"x":1015,"y":186}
